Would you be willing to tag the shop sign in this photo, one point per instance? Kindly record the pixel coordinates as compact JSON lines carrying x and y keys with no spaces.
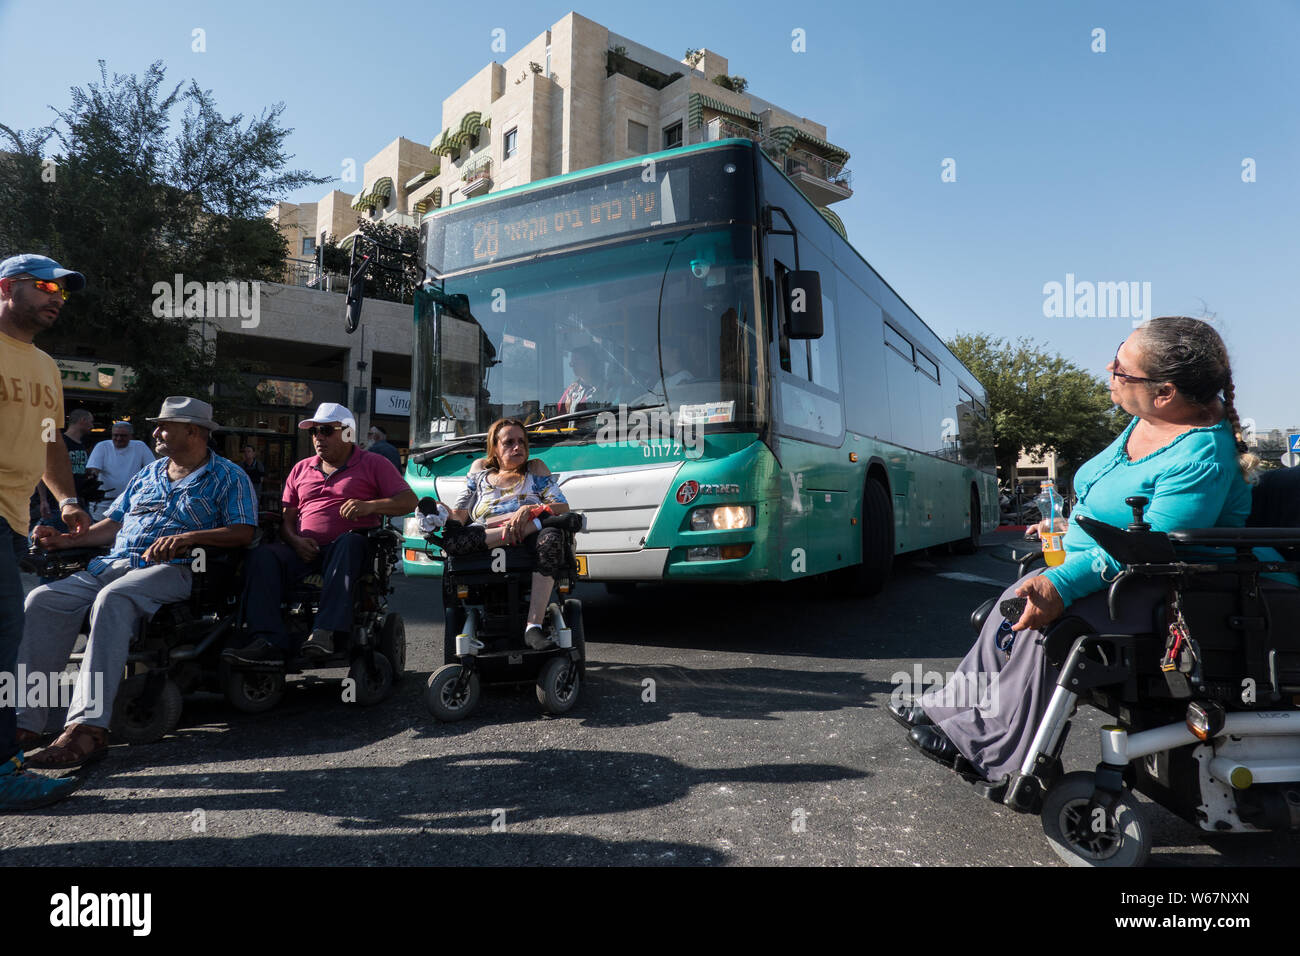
{"x":94,"y":377}
{"x":274,"y":391}
{"x":392,"y":401}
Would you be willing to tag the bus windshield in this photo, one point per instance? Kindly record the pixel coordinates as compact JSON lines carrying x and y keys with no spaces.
{"x":668,"y":319}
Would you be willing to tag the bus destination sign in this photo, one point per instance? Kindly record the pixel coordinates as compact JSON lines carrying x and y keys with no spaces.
{"x":507,"y":230}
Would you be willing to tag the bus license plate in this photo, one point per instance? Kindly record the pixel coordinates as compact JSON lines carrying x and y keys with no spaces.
{"x":582,"y":565}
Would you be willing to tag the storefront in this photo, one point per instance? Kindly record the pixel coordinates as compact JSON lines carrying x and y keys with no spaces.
{"x":393,"y":413}
{"x":98,"y":387}
{"x":272,"y":428}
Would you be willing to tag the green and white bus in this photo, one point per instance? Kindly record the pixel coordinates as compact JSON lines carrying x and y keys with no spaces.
{"x":667,"y":286}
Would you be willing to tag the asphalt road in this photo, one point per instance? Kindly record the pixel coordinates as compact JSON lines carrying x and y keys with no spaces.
{"x":766,"y":742}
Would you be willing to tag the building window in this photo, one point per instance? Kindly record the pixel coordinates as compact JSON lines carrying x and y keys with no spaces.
{"x":673,"y":135}
{"x":548,"y":61}
{"x":511,"y":142}
{"x":638,"y":137}
{"x":308,"y":246}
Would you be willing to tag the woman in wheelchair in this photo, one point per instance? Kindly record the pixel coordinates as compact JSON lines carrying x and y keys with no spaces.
{"x":1184,"y":452}
{"x":504,"y":504}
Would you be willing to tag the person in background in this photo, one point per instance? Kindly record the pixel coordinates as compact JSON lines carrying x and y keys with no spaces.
{"x":255,"y":470}
{"x":32,"y":293}
{"x":588,"y":386}
{"x":380,"y":445}
{"x":115,"y":462}
{"x":44,"y":509}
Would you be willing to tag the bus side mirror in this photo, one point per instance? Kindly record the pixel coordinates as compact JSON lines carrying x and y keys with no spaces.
{"x":803,"y":304}
{"x":356,"y":292}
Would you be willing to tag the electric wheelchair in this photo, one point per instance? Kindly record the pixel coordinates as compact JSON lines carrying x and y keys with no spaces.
{"x":485,"y":600}
{"x":375,"y":652}
{"x":1206,"y":705}
{"x":178,"y":651}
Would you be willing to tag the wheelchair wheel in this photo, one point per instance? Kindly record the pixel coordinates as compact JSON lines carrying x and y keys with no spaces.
{"x":1075,"y":836}
{"x":392,"y":643}
{"x":445,"y":700}
{"x":254,"y":692}
{"x":558,"y":685}
{"x":138,"y":723}
{"x":372,"y":684}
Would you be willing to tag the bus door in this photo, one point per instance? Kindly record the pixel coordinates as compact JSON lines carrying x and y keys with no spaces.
{"x":808,"y":425}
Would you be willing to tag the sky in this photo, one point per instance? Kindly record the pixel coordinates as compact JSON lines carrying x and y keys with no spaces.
{"x":997,"y":147}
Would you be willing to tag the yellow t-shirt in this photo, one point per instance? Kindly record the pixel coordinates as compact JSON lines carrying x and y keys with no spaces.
{"x":31,"y":416}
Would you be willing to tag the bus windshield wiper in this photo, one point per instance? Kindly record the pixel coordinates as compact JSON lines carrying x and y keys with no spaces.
{"x":446,"y":448}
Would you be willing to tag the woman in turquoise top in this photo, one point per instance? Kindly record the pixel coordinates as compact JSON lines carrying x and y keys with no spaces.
{"x":1183,"y":451}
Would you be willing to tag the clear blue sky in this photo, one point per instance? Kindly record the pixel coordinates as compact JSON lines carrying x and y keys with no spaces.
{"x":1117,"y":166}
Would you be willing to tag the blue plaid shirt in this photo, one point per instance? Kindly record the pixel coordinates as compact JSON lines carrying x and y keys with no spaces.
{"x":153,"y":506}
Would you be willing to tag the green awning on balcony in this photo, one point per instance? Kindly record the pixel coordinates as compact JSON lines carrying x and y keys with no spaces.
{"x":362,"y":200}
{"x":696,"y":103}
{"x":423,"y":177}
{"x":431,"y":201}
{"x":382,"y":189}
{"x":468,"y":128}
{"x":441,"y":147}
{"x":787,"y":136}
{"x":836,"y":223}
{"x":346,"y":244}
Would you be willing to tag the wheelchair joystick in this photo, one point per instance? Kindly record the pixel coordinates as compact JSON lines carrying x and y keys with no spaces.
{"x":1137,"y":503}
{"x":433,"y":515}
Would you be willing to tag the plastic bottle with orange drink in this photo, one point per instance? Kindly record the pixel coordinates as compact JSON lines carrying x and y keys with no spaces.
{"x":1049,"y":506}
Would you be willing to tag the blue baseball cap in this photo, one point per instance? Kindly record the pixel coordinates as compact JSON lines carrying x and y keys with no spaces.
{"x":42,"y":267}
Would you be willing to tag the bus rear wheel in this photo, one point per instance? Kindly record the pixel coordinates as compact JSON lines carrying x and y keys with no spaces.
{"x":869,"y":577}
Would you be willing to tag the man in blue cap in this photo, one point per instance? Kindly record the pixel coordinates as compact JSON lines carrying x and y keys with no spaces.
{"x":32,"y":291}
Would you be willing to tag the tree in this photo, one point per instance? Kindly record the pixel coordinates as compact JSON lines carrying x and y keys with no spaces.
{"x":1038,"y":402}
{"x":401,"y":242}
{"x":131,"y":203}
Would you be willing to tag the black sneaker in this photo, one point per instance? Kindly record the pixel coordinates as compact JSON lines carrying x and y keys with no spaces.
{"x":319,"y":644}
{"x":260,"y":651}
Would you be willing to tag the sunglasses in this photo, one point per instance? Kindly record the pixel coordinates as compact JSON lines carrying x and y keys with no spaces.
{"x":323,"y":430}
{"x":1116,"y":373}
{"x":46,"y":285}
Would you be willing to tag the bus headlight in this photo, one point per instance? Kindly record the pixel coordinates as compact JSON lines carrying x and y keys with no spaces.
{"x":725,"y":518}
{"x":411,"y":527}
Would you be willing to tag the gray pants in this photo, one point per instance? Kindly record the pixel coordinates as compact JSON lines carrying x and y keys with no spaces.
{"x":117,"y":599}
{"x":992,"y":705}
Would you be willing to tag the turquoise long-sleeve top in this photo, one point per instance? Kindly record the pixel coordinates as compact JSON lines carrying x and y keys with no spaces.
{"x":1193,"y":482}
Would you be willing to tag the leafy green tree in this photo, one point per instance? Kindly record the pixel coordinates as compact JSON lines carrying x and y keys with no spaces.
{"x":130,"y":201}
{"x":1038,"y":401}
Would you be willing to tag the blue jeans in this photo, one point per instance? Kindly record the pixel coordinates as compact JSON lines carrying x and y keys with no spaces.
{"x":11,"y":626}
{"x":272,"y":568}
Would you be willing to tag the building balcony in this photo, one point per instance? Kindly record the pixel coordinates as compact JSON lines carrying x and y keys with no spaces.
{"x":820,"y":179}
{"x":477,"y":178}
{"x":719,"y":128}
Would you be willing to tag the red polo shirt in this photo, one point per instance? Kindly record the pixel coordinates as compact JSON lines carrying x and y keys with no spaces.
{"x":318,"y":496}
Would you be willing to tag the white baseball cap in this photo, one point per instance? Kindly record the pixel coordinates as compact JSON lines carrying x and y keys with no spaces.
{"x":330,"y":413}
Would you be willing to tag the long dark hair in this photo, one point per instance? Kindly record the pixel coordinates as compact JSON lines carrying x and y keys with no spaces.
{"x":493,"y":461}
{"x":1190,"y":355}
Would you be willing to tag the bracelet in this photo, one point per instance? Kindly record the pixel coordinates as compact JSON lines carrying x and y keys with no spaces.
{"x":69,"y":501}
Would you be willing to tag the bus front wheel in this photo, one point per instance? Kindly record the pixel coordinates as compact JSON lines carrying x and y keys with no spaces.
{"x":870,"y":576}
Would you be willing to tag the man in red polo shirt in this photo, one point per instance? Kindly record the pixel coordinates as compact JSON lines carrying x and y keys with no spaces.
{"x":339,"y":490}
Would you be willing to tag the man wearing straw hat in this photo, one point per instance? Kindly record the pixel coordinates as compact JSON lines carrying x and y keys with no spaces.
{"x":189,"y":498}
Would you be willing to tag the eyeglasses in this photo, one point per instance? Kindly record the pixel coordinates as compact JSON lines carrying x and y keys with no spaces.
{"x":46,"y":285}
{"x":323,"y":430}
{"x":1116,"y":373}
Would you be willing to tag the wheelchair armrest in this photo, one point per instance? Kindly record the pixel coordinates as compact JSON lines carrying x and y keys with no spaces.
{"x":1059,"y":638}
{"x":1237,"y":537}
{"x":981,"y":614}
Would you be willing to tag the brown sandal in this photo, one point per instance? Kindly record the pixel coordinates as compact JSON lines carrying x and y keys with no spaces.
{"x":30,"y":739}
{"x":79,"y":745}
